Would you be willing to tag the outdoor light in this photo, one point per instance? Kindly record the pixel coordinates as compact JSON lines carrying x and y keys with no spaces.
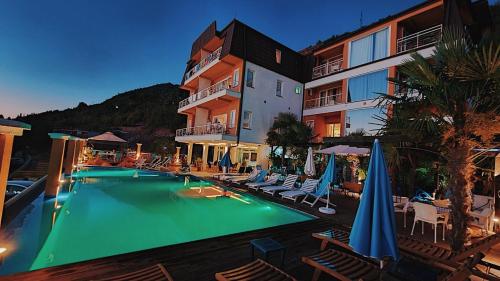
{"x":3,"y":250}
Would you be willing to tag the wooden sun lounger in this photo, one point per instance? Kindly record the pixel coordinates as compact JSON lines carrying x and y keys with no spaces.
{"x":254,"y":271}
{"x":153,"y":273}
{"x":345,"y":267}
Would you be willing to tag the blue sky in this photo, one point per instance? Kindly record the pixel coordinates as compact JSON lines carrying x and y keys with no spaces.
{"x":56,"y":53}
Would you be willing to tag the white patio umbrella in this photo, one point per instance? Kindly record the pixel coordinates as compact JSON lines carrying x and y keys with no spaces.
{"x":309,"y":167}
{"x":345,"y":150}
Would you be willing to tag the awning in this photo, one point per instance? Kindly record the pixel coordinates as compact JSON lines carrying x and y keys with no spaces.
{"x":345,"y":150}
{"x":107,"y":137}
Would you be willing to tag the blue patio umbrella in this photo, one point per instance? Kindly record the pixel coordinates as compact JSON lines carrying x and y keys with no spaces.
{"x":373,"y":233}
{"x":326,"y":180}
{"x":226,"y":160}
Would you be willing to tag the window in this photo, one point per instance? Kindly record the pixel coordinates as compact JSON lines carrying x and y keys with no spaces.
{"x":250,"y":77}
{"x":367,"y":87}
{"x":232,"y":118}
{"x":236,"y":77}
{"x":310,"y":124}
{"x":279,"y":86}
{"x":298,"y":90}
{"x":247,"y":119}
{"x":369,"y":48}
{"x":278,"y":56}
{"x":333,"y":130}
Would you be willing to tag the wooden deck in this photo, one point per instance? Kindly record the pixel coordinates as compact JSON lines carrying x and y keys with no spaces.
{"x":200,"y":260}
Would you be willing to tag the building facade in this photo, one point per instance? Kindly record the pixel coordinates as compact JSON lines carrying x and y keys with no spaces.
{"x":239,"y":80}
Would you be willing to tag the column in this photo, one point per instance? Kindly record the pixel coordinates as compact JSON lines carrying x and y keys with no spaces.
{"x":262,"y":156}
{"x":204,"y":157}
{"x":177,"y":157}
{"x":190,"y":153}
{"x":216,"y":154}
{"x":78,"y":150}
{"x":138,"y":151}
{"x":55,"y":164}
{"x":234,"y":154}
{"x":69,"y":157}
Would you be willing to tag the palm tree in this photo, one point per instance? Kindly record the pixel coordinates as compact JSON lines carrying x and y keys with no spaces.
{"x":453,"y":98}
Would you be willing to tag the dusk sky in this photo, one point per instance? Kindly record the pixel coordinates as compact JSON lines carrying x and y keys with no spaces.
{"x":54,"y":54}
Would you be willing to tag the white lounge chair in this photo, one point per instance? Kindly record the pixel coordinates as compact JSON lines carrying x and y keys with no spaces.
{"x":287,"y":185}
{"x":153,"y":162}
{"x":317,"y":194}
{"x":401,"y":205}
{"x":308,"y":186}
{"x":139,"y":164}
{"x":272,"y":180}
{"x":240,"y":177}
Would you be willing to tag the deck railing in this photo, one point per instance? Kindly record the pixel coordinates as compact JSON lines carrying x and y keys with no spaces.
{"x":204,"y":62}
{"x":420,"y":39}
{"x":323,"y":101}
{"x":208,"y":129}
{"x":215,"y":88}
{"x":327,"y":68}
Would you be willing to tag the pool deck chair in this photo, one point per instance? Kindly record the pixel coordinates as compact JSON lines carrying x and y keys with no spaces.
{"x":258,"y":177}
{"x":154,"y":273}
{"x":287,"y":185}
{"x":317,"y":194}
{"x":254,"y":271}
{"x":272,"y":180}
{"x":242,"y":176}
{"x":345,"y":266}
{"x":308,"y":186}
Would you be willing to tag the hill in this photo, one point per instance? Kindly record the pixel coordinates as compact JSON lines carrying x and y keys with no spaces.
{"x":147,"y":114}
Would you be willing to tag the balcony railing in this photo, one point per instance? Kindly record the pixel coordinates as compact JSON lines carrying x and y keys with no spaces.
{"x":204,"y":62}
{"x":323,"y":101}
{"x":208,"y":129}
{"x":215,"y":88}
{"x":420,"y":39}
{"x":327,"y":68}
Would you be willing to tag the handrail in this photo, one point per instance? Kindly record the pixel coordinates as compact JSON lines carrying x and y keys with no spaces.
{"x":419,"y":39}
{"x":323,"y":101}
{"x":327,"y":68}
{"x":225,"y":84}
{"x":208,"y":129}
{"x":204,"y":62}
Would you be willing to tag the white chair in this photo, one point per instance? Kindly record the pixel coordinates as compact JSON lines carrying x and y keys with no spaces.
{"x":308,"y":186}
{"x":272,"y":180}
{"x":482,"y":211}
{"x":288,"y":184}
{"x":401,"y":205}
{"x":429,"y":214}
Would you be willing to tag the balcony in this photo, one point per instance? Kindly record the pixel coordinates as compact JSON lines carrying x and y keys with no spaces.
{"x":323,"y":101}
{"x":327,"y":68}
{"x":222,"y":90}
{"x":420,"y":39}
{"x":204,"y":63}
{"x":208,"y":132}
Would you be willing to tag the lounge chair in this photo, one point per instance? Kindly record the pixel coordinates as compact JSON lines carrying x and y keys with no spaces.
{"x":287,"y":185}
{"x":259,"y":176}
{"x":308,"y":186}
{"x":256,"y":270}
{"x":155,"y":272}
{"x":139,"y":164}
{"x":317,"y":194}
{"x":153,"y":162}
{"x":243,"y":173}
{"x":272,"y":180}
{"x":345,"y":266}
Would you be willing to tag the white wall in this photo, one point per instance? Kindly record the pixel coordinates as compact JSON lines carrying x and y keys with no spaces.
{"x":264,"y":103}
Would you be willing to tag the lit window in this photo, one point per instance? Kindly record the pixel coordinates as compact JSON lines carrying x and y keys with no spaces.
{"x":333,"y":130}
{"x":236,"y":77}
{"x":279,"y":86}
{"x":247,"y":119}
{"x":250,"y":77}
{"x":298,"y":90}
{"x":278,"y":56}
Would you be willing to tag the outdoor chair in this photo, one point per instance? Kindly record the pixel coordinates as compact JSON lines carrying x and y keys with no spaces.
{"x":154,"y":273}
{"x":288,"y":184}
{"x":482,"y":211}
{"x":317,"y":194}
{"x":256,"y":270}
{"x":308,"y":186}
{"x":257,"y":176}
{"x":272,"y":180}
{"x":426,"y":213}
{"x":401,"y":205}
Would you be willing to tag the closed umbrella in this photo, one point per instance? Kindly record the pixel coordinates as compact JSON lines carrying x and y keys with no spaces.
{"x":327,"y":179}
{"x":373,"y":233}
{"x":225,"y":162}
{"x":309,"y":167}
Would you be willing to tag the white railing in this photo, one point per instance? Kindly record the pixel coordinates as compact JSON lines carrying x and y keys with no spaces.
{"x":215,"y":88}
{"x":323,"y":101}
{"x":204,"y":62}
{"x":208,"y":129}
{"x":420,"y":39}
{"x":327,"y":68}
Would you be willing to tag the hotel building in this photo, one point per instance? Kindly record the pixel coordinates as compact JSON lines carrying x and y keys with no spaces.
{"x":238,"y":80}
{"x":350,"y":70}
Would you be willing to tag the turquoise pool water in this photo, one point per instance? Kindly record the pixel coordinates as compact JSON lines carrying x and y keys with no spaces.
{"x":109,"y":211}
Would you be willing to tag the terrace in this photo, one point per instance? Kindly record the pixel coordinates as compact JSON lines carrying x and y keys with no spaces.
{"x":421,"y":39}
{"x":204,"y":64}
{"x":221,"y":90}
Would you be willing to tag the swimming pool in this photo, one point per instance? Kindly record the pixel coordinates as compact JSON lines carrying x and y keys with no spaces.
{"x":107,"y":211}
